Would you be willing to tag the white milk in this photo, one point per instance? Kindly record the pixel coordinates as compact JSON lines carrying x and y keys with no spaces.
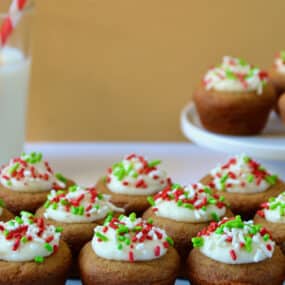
{"x":14,"y":81}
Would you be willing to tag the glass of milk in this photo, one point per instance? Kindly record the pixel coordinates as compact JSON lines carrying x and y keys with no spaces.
{"x":15,"y":61}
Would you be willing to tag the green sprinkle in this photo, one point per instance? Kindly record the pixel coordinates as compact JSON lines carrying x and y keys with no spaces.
{"x":48,"y":247}
{"x":96,"y":206}
{"x":72,"y":188}
{"x":64,"y":202}
{"x":271,"y":199}
{"x":150,"y":221}
{"x":33,"y":157}
{"x":11,"y":223}
{"x":108,"y":219}
{"x":230,"y":74}
{"x":60,"y":177}
{"x":101,"y":236}
{"x":246,"y":159}
{"x":207,"y":190}
{"x":197,"y":241}
{"x":204,"y":208}
{"x":154,"y":163}
{"x":47,"y":204}
{"x":175,"y":186}
{"x":219,"y":231}
{"x":188,"y":206}
{"x":120,"y":246}
{"x":58,"y":229}
{"x":9,"y":183}
{"x":122,"y":229}
{"x":19,"y":220}
{"x":215,"y":216}
{"x":248,"y":244}
{"x":170,"y":240}
{"x":121,"y":217}
{"x":54,"y":206}
{"x":151,"y":200}
{"x":127,"y":241}
{"x":80,"y":210}
{"x":271,"y":179}
{"x":121,"y":238}
{"x":135,"y":175}
{"x":212,"y":201}
{"x":222,"y":198}
{"x":13,"y":168}
{"x":132,"y":217}
{"x":250,"y":178}
{"x":25,"y":213}
{"x":266,"y":237}
{"x":179,"y":203}
{"x":137,"y":228}
{"x":224,"y":178}
{"x":242,"y":62}
{"x":74,"y":210}
{"x":100,"y":196}
{"x":24,"y":239}
{"x":39,"y":259}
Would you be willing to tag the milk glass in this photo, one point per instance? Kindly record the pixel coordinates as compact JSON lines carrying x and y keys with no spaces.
{"x":15,"y":62}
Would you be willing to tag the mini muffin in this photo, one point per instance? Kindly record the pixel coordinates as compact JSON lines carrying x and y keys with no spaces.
{"x":77,"y":211}
{"x":26,"y":181}
{"x":234,"y":98}
{"x":131,"y":181}
{"x":184,"y":211}
{"x":277,"y":74}
{"x":31,"y":252}
{"x":235,"y":252}
{"x":5,"y":215}
{"x":244,"y":183}
{"x":272,"y":217}
{"x":128,"y":251}
{"x":281,"y":107}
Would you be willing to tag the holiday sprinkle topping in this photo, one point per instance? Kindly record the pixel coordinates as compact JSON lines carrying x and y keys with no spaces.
{"x":30,"y":172}
{"x":79,"y":203}
{"x":130,"y":238}
{"x":235,"y":74}
{"x":274,"y":209}
{"x":199,"y":200}
{"x":134,"y":174}
{"x":242,"y":174}
{"x":233,"y":241}
{"x":28,"y":238}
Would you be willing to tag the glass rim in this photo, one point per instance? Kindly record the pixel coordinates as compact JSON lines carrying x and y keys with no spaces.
{"x":30,"y":6}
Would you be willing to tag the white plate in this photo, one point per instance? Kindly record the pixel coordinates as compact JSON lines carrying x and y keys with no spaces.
{"x":268,"y":145}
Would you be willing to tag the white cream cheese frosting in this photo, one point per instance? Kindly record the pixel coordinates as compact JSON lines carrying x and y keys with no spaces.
{"x":279,"y":62}
{"x":30,"y":173}
{"x":235,"y":75}
{"x":241,"y":174}
{"x":233,"y":241}
{"x":194,"y":203}
{"x":78,"y":205}
{"x":130,"y":239}
{"x":134,"y":175}
{"x":274,"y":210}
{"x":27,"y":238}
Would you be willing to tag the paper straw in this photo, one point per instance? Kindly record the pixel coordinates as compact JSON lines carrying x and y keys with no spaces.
{"x":9,"y":23}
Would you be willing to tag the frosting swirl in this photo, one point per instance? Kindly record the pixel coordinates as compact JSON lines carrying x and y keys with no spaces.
{"x":130,"y":239}
{"x":233,"y":241}
{"x":27,"y":238}
{"x":241,"y":174}
{"x":78,"y":205}
{"x":30,"y":173}
{"x":279,"y":62}
{"x":193,"y":203}
{"x":274,"y":210}
{"x":235,"y":75}
{"x":136,"y":176}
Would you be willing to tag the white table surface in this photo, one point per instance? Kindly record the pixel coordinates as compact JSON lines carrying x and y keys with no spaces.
{"x":86,"y":162}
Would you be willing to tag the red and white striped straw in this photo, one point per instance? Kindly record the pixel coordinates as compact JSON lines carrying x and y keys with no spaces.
{"x":9,"y":23}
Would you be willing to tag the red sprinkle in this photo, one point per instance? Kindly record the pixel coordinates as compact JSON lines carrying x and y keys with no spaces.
{"x":233,"y":254}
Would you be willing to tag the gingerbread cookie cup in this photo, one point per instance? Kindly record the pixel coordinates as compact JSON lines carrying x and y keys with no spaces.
{"x":131,"y":181}
{"x":135,"y":257}
{"x":272,"y":217}
{"x":32,"y":253}
{"x":26,"y":181}
{"x":184,"y":211}
{"x":235,"y":252}
{"x":234,"y":98}
{"x":244,"y":183}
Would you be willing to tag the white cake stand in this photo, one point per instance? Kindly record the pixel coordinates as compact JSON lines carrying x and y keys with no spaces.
{"x":268,"y":145}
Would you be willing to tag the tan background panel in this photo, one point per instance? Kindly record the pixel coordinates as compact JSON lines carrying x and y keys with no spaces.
{"x":123,"y":69}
